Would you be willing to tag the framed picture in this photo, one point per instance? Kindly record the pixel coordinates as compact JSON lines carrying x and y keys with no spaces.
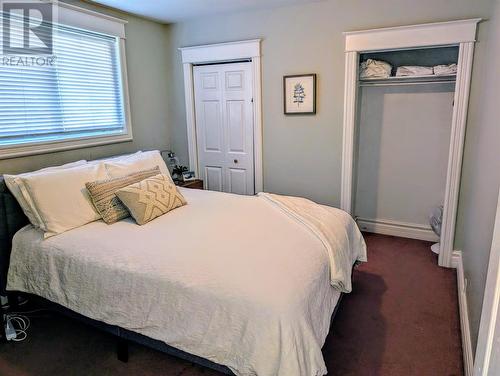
{"x":299,"y":94}
{"x":188,"y":176}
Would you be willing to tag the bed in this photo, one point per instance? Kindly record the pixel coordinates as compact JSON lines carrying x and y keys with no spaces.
{"x":245,"y":285}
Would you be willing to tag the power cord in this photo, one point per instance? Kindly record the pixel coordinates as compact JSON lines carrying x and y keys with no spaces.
{"x":16,"y":327}
{"x":16,"y":324}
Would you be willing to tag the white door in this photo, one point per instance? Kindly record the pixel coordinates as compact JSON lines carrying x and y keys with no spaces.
{"x":224,"y":127}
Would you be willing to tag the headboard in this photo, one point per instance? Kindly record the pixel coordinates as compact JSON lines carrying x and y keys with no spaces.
{"x":12,"y":219}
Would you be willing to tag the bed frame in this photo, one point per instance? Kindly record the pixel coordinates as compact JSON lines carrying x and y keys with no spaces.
{"x":12,"y":219}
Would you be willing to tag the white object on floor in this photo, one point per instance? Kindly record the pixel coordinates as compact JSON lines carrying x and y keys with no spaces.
{"x":445,"y":69}
{"x":435,"y":248}
{"x":436,"y":219}
{"x":253,"y":294}
{"x":414,"y":70}
{"x":375,"y":69}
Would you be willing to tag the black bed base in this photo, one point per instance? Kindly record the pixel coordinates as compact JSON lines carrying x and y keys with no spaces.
{"x":124,"y":336}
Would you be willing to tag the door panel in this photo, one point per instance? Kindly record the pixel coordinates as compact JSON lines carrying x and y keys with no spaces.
{"x":234,"y":80}
{"x":213,"y":178}
{"x":213,"y":128}
{"x":237,"y":181}
{"x":210,"y":80}
{"x":224,"y":126}
{"x":235,"y":126}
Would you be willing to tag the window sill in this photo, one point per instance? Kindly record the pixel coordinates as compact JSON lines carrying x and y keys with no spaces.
{"x":54,"y":146}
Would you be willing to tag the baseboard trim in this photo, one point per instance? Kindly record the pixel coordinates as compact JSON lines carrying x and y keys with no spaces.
{"x":457,"y":263}
{"x":396,"y":228}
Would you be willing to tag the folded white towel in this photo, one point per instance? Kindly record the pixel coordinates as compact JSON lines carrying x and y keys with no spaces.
{"x":445,"y":69}
{"x":375,"y":69}
{"x":413,"y":70}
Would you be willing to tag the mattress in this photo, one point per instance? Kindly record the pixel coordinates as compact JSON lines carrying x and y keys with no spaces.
{"x":233,"y":279}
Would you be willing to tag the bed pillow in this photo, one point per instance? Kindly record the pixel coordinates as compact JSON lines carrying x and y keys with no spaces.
{"x":116,"y":158}
{"x":151,"y":198}
{"x":102,"y":194}
{"x":137,"y":162}
{"x":61,"y":198}
{"x":14,"y":183}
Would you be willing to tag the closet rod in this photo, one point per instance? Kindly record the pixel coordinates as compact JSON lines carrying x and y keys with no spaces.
{"x":367,"y":84}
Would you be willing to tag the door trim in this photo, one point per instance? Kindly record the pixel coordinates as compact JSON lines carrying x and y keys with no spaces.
{"x":463,"y":310}
{"x":219,"y":53}
{"x":491,"y":304}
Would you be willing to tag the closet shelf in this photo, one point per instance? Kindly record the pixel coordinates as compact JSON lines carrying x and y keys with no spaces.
{"x":407,"y":80}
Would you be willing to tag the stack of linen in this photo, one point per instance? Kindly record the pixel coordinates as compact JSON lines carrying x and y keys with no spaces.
{"x":416,"y":70}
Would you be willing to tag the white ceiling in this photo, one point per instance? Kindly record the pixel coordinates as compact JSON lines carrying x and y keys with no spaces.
{"x":169,"y":11}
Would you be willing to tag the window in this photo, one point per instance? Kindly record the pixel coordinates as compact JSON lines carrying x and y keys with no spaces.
{"x":77,"y":99}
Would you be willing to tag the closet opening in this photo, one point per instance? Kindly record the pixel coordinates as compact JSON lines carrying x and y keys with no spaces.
{"x":402,"y":140}
{"x":400,"y":101}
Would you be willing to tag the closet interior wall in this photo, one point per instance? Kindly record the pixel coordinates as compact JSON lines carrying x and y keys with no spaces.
{"x":402,"y":142}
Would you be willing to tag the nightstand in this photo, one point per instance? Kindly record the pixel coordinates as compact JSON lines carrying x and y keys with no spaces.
{"x":193,"y":184}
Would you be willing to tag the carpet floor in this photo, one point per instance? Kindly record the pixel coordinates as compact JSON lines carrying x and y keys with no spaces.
{"x":400,"y":319}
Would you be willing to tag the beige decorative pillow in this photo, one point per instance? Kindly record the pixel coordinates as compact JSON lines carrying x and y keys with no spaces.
{"x":151,"y":198}
{"x":102,"y":194}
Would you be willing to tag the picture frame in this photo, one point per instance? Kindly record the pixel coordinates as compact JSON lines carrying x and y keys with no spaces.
{"x":188,"y":176}
{"x":299,"y":94}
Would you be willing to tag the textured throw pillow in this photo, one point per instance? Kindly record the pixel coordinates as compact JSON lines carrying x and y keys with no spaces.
{"x":102,"y":194}
{"x":151,"y":198}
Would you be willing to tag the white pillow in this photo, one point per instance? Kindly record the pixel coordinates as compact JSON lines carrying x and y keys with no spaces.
{"x":116,"y":158}
{"x":61,"y":198}
{"x":137,"y":162}
{"x":14,"y":184}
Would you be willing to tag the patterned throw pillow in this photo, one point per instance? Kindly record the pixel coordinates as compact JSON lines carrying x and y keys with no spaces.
{"x":102,"y":194}
{"x":151,"y":198}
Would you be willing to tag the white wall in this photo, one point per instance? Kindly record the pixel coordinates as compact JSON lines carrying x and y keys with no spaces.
{"x":404,"y":136}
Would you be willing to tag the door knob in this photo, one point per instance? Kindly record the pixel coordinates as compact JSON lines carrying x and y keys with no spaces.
{"x":235,"y":161}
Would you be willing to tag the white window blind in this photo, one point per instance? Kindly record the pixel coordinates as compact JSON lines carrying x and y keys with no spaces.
{"x":79,"y":96}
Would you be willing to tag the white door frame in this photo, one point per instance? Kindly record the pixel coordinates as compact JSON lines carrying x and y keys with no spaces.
{"x":461,"y":33}
{"x":218,"y":53}
{"x":491,"y":303}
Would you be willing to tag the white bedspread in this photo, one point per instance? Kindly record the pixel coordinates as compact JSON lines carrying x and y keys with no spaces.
{"x":242,"y":281}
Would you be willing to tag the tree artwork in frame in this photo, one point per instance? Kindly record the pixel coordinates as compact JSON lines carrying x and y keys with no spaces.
{"x":299,"y":94}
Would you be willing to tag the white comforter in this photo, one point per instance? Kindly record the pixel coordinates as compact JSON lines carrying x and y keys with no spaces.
{"x":242,"y":281}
